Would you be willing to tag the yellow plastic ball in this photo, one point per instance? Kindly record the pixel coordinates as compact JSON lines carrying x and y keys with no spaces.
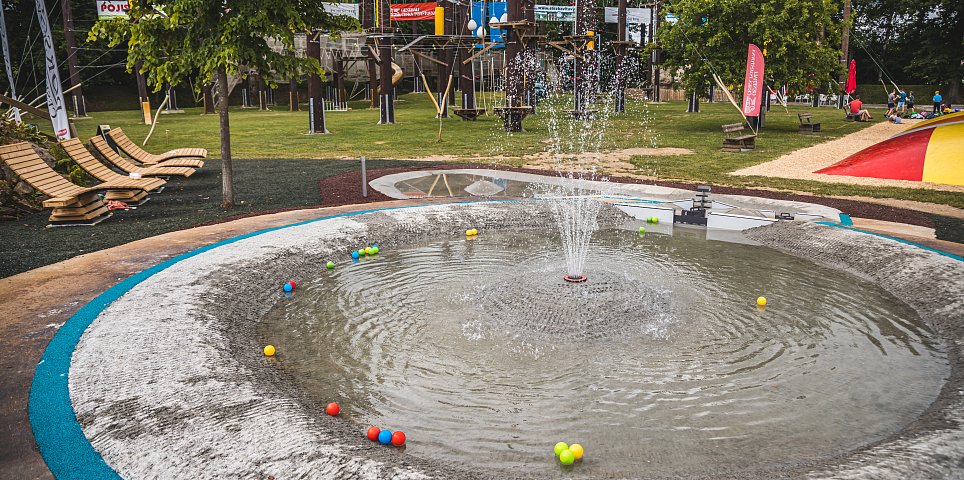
{"x":269,"y":350}
{"x":761,"y":301}
{"x":576,"y":450}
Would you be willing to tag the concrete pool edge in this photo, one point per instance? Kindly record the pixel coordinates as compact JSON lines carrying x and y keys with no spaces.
{"x":204,"y":249}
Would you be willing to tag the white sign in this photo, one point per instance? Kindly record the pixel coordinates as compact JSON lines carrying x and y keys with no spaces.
{"x":55,"y":94}
{"x":107,"y":9}
{"x":555,"y":13}
{"x":348,"y":9}
{"x":634,"y":16}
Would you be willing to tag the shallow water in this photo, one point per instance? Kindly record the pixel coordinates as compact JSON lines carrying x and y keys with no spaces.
{"x":661,"y":364}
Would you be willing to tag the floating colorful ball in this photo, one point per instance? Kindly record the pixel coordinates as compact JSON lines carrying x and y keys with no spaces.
{"x":330,"y":265}
{"x":398,"y":439}
{"x":373,"y":433}
{"x":576,"y":450}
{"x":560,"y":447}
{"x":385,"y":437}
{"x":332,"y":409}
{"x":761,"y":301}
{"x":567,"y":457}
{"x":642,"y":230}
{"x":269,"y":350}
{"x":288,"y":287}
{"x":355,"y":255}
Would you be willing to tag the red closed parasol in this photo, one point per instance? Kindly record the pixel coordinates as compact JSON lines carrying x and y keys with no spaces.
{"x":851,"y":78}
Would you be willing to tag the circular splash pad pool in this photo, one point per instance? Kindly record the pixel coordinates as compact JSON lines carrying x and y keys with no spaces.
{"x":188,"y":392}
{"x":660,"y":364}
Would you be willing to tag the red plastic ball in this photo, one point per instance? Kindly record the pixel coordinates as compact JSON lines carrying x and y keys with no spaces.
{"x":398,"y":439}
{"x":332,"y":409}
{"x":373,"y":433}
{"x":293,"y":284}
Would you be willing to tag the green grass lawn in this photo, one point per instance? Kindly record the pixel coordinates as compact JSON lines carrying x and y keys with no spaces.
{"x":281,"y":134}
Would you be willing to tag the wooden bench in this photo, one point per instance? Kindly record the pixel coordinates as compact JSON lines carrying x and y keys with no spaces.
{"x":739,"y":143}
{"x":469,"y":114}
{"x":806,"y":124}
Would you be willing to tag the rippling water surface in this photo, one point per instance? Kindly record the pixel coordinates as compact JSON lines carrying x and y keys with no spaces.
{"x":661,"y":364}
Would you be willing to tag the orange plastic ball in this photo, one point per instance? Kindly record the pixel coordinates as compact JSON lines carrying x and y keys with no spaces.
{"x":332,"y":409}
{"x":373,"y":433}
{"x":398,"y":439}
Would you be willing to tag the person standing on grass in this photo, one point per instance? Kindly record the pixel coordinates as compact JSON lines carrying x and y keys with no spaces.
{"x":910,"y":102}
{"x":937,"y":102}
{"x":901,"y":101}
{"x":856,"y":107}
{"x":890,"y":103}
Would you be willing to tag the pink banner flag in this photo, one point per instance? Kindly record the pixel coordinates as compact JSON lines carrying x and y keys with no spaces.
{"x":753,"y":83}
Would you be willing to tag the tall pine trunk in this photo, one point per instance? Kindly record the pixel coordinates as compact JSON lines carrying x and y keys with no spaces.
{"x":227,"y":172}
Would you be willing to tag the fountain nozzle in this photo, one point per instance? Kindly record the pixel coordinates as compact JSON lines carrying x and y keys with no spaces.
{"x":575,"y":279}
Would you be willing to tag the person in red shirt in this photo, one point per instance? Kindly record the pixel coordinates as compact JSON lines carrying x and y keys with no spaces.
{"x":856,"y":107}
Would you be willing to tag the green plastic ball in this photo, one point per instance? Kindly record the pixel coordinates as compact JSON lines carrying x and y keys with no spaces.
{"x":642,"y":230}
{"x":560,"y":447}
{"x":368,"y":251}
{"x":374,"y":250}
{"x":655,"y":220}
{"x":567,"y":457}
{"x":330,"y":265}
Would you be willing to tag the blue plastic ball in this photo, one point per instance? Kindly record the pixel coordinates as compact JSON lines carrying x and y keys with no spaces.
{"x":288,"y":287}
{"x":354,"y":255}
{"x":385,"y":437}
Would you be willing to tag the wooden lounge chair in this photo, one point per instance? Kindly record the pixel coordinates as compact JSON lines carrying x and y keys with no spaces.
{"x":71,"y":204}
{"x":79,"y":153}
{"x":181,"y":157}
{"x":126,"y":166}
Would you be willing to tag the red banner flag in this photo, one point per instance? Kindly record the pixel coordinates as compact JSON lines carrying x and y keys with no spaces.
{"x":753,"y":83}
{"x":413,"y":11}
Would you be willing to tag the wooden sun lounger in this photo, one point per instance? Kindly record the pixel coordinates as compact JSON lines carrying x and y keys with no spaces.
{"x":181,"y":157}
{"x":71,"y":204}
{"x":126,"y":166}
{"x":79,"y":153}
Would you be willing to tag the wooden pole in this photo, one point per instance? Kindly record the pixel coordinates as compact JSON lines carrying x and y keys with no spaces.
{"x":80,"y":109}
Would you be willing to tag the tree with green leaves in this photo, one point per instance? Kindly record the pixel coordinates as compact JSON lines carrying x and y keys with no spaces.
{"x":910,"y":41}
{"x":800,"y":40}
{"x":211,"y":39}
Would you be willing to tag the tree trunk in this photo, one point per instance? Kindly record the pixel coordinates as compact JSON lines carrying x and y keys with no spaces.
{"x":227,"y":172}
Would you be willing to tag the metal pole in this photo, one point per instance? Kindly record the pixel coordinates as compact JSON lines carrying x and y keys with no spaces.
{"x":311,"y":115}
{"x":364,"y":178}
